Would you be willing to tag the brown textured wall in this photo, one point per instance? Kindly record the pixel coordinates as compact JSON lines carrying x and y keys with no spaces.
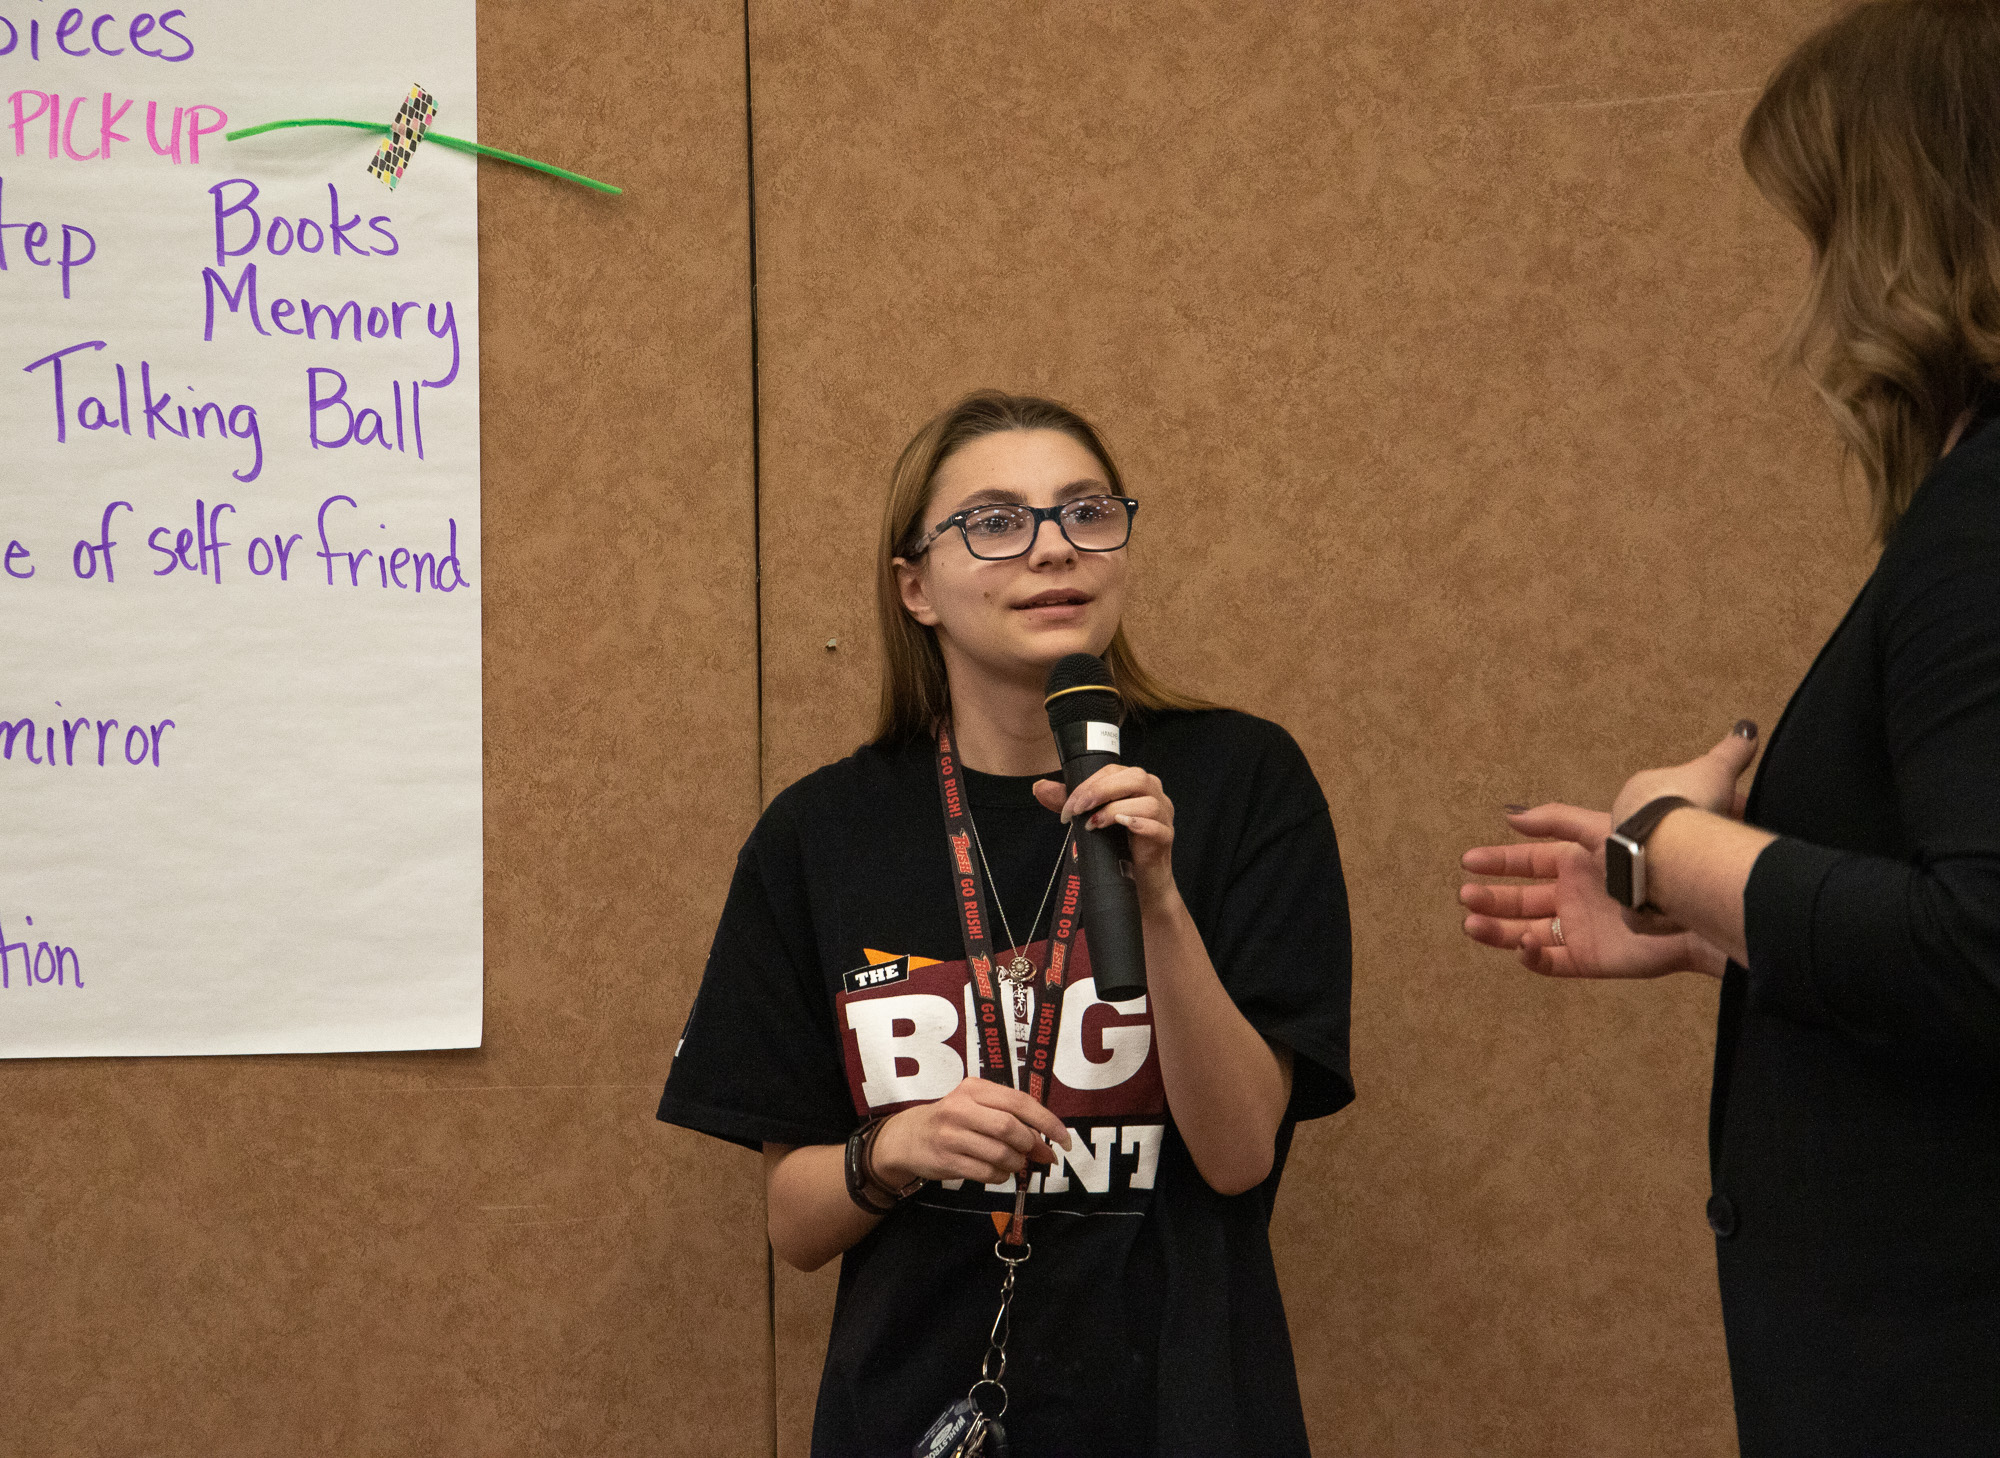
{"x":500,"y":1251}
{"x":1433,"y":336}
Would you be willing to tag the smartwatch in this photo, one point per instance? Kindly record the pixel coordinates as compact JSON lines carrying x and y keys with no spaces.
{"x":1625,"y":851}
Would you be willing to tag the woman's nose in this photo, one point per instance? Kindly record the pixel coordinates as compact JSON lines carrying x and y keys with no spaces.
{"x":1050,"y":544}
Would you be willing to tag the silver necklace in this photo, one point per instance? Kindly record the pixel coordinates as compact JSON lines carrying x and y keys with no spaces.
{"x":1020,"y":971}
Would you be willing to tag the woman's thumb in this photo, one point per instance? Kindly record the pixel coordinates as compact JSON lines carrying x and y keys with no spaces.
{"x":1738,"y":747}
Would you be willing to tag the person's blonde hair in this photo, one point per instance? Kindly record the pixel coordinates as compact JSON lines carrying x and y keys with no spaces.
{"x":1880,"y":138}
{"x":915,"y":691}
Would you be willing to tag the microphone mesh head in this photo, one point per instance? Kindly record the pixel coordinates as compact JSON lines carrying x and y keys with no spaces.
{"x":1079,"y":689}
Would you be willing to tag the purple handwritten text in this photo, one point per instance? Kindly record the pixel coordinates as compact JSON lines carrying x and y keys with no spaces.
{"x":340,"y":235}
{"x":76,"y":34}
{"x":426,"y":569}
{"x":67,"y":743}
{"x":79,"y":245}
{"x":39,"y":963}
{"x":163,"y":418}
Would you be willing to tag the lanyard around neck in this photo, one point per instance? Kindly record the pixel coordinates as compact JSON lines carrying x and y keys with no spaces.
{"x":990,"y":1038}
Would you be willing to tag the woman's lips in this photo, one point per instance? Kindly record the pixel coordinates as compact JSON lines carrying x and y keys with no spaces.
{"x":1046,"y":601}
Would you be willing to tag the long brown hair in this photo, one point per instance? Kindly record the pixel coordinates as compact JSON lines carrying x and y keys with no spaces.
{"x":1880,"y":138}
{"x":915,"y":692}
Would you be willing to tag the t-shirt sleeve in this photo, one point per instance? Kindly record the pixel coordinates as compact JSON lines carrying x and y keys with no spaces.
{"x":1893,"y":952}
{"x":1281,"y":945}
{"x":759,"y":1058}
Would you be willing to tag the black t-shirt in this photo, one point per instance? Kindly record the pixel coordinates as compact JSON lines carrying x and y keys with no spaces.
{"x":1148,"y":1320}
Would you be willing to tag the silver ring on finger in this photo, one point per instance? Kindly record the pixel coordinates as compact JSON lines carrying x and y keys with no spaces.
{"x":1556,"y":930}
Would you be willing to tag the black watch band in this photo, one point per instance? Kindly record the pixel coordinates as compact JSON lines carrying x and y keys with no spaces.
{"x":1625,"y":851}
{"x":862,"y":1185}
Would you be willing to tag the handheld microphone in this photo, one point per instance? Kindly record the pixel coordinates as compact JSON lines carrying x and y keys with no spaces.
{"x":1084,"y":711}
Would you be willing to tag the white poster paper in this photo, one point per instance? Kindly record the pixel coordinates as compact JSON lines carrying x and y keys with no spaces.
{"x":239,"y":534}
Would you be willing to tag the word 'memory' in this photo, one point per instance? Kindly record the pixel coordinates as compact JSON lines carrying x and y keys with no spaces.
{"x":372,"y":321}
{"x":75,"y":34}
{"x":47,"y":963}
{"x":162,"y":417}
{"x":35,"y":239}
{"x":425,"y":568}
{"x":196,"y":121}
{"x":78,"y":748}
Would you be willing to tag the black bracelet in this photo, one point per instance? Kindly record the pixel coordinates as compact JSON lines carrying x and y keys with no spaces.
{"x":861,"y":1171}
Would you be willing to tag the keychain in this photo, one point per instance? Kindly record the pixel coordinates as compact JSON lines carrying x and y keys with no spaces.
{"x":970,"y":1427}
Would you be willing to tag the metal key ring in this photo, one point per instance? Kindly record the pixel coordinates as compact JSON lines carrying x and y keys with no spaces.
{"x":1012,"y":1261}
{"x":972,"y":1396}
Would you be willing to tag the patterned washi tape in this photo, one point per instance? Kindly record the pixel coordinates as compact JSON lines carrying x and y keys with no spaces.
{"x":413,"y":119}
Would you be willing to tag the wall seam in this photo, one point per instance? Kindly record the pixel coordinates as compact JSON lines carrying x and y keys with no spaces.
{"x":757,"y":597}
{"x":756,"y":402}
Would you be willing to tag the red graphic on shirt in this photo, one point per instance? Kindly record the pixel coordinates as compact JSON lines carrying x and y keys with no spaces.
{"x":903,"y":1024}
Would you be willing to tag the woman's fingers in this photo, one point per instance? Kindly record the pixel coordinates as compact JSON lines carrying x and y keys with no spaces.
{"x":1017,"y":1105}
{"x":1139,"y":807}
{"x":1005,"y":1128}
{"x":1556,"y":827}
{"x":1146,"y":829}
{"x":1505,"y":933}
{"x":1508,"y":901}
{"x":1113,"y":791}
{"x":999,"y":1125}
{"x":1117,"y":782}
{"x":970,"y":1156}
{"x":1544,"y":959}
{"x":1539,"y":862}
{"x":1557,"y":821}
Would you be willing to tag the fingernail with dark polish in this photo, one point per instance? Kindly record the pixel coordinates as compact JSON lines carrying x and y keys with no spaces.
{"x":1515,"y":809}
{"x":1745,"y":729}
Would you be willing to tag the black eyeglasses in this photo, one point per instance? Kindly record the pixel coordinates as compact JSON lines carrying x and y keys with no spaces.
{"x":995,"y":533}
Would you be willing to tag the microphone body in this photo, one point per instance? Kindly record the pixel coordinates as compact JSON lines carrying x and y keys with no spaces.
{"x":1087,"y":734}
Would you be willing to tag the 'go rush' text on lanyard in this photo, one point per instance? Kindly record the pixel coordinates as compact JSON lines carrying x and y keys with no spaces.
{"x":991,"y":1035}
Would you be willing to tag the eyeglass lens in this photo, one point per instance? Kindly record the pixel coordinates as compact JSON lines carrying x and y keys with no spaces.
{"x":1092,"y":524}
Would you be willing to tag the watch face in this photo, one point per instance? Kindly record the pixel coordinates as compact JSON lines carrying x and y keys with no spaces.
{"x":1620,"y":863}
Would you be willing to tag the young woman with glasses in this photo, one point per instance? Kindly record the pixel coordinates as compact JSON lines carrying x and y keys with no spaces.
{"x":838,"y":1023}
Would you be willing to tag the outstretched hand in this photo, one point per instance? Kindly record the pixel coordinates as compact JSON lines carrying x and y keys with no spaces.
{"x":1560,"y":877}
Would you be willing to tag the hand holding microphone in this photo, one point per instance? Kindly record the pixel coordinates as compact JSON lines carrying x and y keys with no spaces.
{"x":1125,"y":838}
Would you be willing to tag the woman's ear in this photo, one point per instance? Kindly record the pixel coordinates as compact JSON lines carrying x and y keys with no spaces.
{"x":910,"y":586}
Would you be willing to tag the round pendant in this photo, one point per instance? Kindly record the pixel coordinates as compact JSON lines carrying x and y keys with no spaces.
{"x":1019,"y":970}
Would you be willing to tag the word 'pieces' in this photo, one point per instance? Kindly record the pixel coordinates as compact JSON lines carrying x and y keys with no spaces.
{"x":413,"y":119}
